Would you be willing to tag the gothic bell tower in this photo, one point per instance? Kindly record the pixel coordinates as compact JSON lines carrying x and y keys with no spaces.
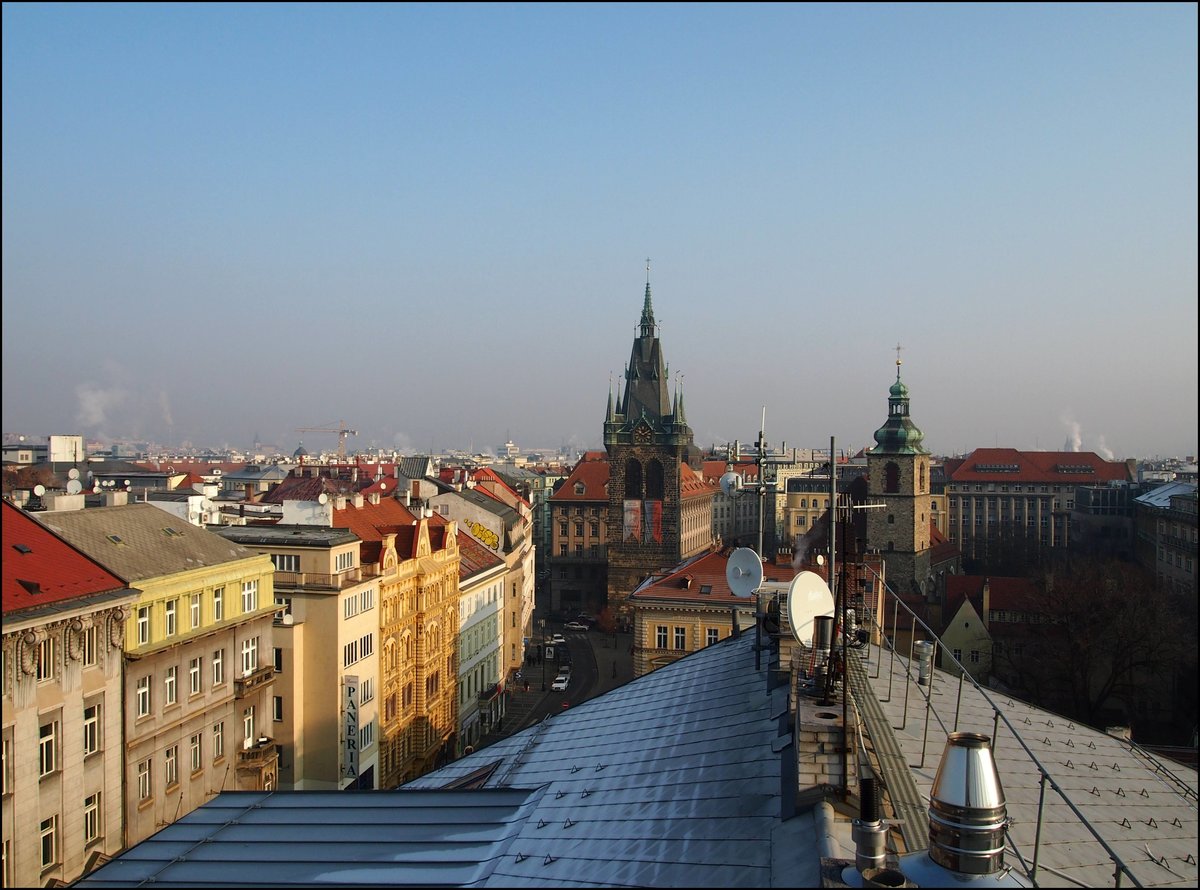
{"x":648,"y":441}
{"x":898,"y":468}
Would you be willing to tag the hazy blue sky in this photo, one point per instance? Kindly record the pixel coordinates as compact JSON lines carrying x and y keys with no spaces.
{"x":431,"y":221}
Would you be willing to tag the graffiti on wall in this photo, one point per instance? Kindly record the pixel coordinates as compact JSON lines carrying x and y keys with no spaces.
{"x":485,"y":534}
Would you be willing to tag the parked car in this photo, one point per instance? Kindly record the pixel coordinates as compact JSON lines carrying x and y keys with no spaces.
{"x":575,"y":625}
{"x":558,"y":640}
{"x":560,"y":684}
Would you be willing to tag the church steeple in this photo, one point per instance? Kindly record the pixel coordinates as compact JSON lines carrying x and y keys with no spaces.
{"x":647,"y":324}
{"x":898,"y":435}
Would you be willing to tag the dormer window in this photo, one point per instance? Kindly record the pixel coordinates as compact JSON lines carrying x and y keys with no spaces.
{"x":580,"y":488}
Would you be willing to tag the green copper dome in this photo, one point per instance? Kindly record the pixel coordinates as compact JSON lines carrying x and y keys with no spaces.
{"x":899,"y":435}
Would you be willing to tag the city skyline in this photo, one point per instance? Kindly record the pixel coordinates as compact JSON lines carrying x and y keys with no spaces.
{"x":431,"y":222}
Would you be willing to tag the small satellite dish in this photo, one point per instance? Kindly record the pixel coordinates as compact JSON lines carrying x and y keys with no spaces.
{"x":322,"y":498}
{"x":820,"y":560}
{"x":127,"y":483}
{"x":72,"y":473}
{"x":731,"y":483}
{"x":74,"y":486}
{"x":744,"y":572}
{"x":39,"y":490}
{"x":808,"y":598}
{"x":383,"y":486}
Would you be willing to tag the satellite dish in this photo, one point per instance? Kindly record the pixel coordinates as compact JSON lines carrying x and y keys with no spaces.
{"x":808,"y":598}
{"x":744,"y":572}
{"x":72,"y":473}
{"x":74,"y":486}
{"x":322,"y":498}
{"x":731,"y":483}
{"x":383,"y":486}
{"x":39,"y":490}
{"x":820,"y":560}
{"x":127,"y":483}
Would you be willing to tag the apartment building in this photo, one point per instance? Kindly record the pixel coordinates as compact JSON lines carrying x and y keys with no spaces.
{"x":324,"y":707}
{"x":198,"y":670}
{"x":578,"y":557}
{"x":64,"y":628}
{"x":1166,"y":535}
{"x":481,"y":679}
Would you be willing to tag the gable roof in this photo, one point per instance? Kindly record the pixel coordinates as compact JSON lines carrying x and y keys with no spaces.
{"x":145,"y":548}
{"x":40,"y":568}
{"x":593,"y":475}
{"x":686,"y":582}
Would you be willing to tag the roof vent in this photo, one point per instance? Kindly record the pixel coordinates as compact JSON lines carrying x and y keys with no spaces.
{"x":967,"y":813}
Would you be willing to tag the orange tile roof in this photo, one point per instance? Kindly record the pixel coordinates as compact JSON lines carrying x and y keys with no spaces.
{"x":594,"y":476}
{"x":36,"y":559}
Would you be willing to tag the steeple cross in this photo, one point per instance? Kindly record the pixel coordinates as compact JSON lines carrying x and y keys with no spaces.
{"x":647,"y":270}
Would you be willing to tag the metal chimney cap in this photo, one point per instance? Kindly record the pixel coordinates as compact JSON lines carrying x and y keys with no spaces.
{"x":967,"y":814}
{"x":967,"y":776}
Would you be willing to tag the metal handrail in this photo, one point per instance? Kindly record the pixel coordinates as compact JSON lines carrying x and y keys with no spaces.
{"x":1121,"y":867}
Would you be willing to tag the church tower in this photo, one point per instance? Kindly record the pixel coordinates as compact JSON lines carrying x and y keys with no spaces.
{"x":659,"y":509}
{"x":898,"y":468}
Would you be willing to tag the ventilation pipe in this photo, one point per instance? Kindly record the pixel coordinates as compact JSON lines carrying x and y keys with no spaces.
{"x":869,"y":832}
{"x":924,"y":661}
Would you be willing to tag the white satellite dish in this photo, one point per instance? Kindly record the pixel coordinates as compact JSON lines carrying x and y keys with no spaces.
{"x":39,"y":490}
{"x":744,"y":572}
{"x":74,"y":486}
{"x":808,"y":598}
{"x":731,"y":483}
{"x":322,"y":498}
{"x":72,"y":473}
{"x":383,"y":486}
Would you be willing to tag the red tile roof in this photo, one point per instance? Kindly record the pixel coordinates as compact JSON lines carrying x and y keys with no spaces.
{"x":37,"y":559}
{"x":1011,"y":465}
{"x":707,"y":570}
{"x":594,"y":476}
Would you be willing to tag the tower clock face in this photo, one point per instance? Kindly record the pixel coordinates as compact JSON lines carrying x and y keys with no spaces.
{"x":642,"y":435}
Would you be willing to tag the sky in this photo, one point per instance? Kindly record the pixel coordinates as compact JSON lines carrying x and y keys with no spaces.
{"x":431,"y":222}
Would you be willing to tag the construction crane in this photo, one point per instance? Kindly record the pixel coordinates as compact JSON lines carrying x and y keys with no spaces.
{"x":340,"y":429}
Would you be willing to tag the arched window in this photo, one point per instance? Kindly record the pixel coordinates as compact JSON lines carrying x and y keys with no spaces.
{"x":921,"y":489}
{"x":891,"y":478}
{"x":633,"y":480}
{"x":654,"y":480}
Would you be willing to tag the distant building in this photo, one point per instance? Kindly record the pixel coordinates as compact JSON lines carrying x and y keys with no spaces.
{"x":1167,"y":535}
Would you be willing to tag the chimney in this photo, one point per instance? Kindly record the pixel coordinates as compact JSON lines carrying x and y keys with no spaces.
{"x":967,"y":812}
{"x":358,"y":499}
{"x":374,"y":497}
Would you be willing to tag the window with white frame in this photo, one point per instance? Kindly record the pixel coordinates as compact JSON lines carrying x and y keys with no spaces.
{"x":349,"y":653}
{"x":170,"y":618}
{"x":145,"y":785}
{"x":249,"y":656}
{"x":218,"y":733}
{"x":143,"y":696}
{"x":660,"y":634}
{"x":195,"y":744}
{"x":47,"y":748}
{"x":7,"y":776}
{"x":277,"y":708}
{"x":45,"y":659}
{"x":366,"y":600}
{"x":248,"y":723}
{"x":91,"y":818}
{"x":218,"y":604}
{"x":171,"y":767}
{"x":681,"y":638}
{"x":143,"y":625}
{"x":195,"y":666}
{"x":713,"y":635}
{"x":366,"y":690}
{"x":91,"y":729}
{"x":366,"y":645}
{"x":91,"y":646}
{"x":974,"y":656}
{"x":344,"y":561}
{"x":286,"y":562}
{"x":194,"y":609}
{"x":218,"y":666}
{"x":250,"y":596}
{"x":49,"y":835}
{"x":169,"y":686}
{"x":350,"y":607}
{"x":366,"y":736}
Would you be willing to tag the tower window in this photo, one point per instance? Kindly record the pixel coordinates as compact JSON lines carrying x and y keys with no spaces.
{"x":891,"y":478}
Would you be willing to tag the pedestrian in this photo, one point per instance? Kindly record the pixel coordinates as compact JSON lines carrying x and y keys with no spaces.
{"x":526,"y":685}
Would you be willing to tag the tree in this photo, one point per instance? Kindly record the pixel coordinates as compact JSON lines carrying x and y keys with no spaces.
{"x":1104,"y":643}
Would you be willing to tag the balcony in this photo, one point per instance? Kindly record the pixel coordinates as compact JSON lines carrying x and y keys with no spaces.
{"x":260,"y":676}
{"x":262,"y":753}
{"x":322,"y":580}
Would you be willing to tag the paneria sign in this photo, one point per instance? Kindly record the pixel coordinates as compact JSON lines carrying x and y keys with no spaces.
{"x":350,"y":728}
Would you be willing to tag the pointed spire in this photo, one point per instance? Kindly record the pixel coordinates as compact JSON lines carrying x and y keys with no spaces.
{"x":608,"y":415}
{"x":647,"y":324}
{"x":680,"y":416}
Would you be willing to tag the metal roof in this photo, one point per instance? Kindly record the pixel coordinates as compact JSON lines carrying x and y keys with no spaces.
{"x":670,"y":780}
{"x":1161,"y":496}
